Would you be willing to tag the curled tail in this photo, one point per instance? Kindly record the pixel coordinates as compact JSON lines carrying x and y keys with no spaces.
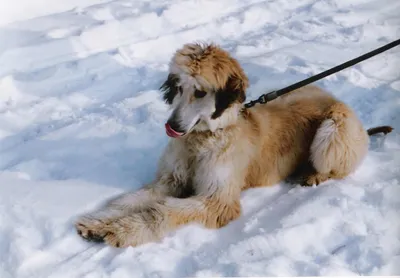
{"x":385,"y":129}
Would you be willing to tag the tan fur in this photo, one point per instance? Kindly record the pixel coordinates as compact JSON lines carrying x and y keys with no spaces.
{"x":210,"y":65}
{"x":201,"y":175}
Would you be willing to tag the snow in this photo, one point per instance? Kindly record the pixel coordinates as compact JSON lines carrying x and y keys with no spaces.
{"x":81,"y":120}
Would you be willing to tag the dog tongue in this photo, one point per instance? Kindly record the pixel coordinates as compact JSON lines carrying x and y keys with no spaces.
{"x":172,"y":133}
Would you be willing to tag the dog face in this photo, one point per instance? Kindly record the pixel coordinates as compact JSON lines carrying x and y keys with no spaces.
{"x":205,"y":88}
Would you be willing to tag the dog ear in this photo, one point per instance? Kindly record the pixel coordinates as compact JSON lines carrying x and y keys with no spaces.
{"x":169,"y":87}
{"x":234,"y":91}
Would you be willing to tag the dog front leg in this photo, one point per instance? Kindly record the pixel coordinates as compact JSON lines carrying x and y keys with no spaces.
{"x":89,"y":225}
{"x":153,"y":222}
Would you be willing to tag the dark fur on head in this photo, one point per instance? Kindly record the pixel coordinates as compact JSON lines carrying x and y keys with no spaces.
{"x":170,"y":88}
{"x":234,"y":91}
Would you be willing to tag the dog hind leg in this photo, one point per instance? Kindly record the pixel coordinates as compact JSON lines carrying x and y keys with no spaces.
{"x":339,"y":145}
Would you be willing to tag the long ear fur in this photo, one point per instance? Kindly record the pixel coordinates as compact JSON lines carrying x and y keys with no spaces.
{"x":234,"y":91}
{"x":169,"y":87}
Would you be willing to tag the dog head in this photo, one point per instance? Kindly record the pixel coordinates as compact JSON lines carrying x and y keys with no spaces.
{"x":205,"y":88}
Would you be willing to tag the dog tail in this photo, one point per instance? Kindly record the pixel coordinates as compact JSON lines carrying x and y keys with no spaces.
{"x":385,"y":129}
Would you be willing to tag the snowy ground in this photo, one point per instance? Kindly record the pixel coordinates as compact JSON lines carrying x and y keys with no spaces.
{"x":81,"y":120}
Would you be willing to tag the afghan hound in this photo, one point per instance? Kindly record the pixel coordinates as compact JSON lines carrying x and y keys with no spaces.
{"x":218,"y":149}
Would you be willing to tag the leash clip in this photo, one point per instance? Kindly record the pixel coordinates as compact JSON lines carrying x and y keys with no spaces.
{"x":262,"y":99}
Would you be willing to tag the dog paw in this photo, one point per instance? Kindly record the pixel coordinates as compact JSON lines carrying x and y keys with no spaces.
{"x":119,"y":230}
{"x":117,"y":239}
{"x":113,"y":232}
{"x":315,"y":179}
{"x":91,"y":229}
{"x":132,"y":230}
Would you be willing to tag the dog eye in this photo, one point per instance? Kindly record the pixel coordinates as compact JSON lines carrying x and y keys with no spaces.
{"x":199,"y":94}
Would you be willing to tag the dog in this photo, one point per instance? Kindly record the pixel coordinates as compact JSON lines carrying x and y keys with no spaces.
{"x":218,"y":149}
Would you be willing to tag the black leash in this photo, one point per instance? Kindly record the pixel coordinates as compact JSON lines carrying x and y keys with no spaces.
{"x":273,"y":95}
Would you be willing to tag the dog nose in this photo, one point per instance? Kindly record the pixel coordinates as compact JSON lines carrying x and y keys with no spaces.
{"x":174,"y":125}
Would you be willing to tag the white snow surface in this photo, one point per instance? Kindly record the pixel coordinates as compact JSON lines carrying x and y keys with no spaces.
{"x":81,"y":120}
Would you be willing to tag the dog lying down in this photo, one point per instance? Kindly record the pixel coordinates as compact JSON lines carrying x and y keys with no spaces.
{"x":219,"y":149}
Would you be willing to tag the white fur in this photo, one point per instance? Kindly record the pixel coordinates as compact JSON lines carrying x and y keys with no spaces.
{"x":320,"y":146}
{"x":186,"y":109}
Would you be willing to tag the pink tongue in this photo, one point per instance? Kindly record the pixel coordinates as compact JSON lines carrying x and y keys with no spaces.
{"x":172,"y":133}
